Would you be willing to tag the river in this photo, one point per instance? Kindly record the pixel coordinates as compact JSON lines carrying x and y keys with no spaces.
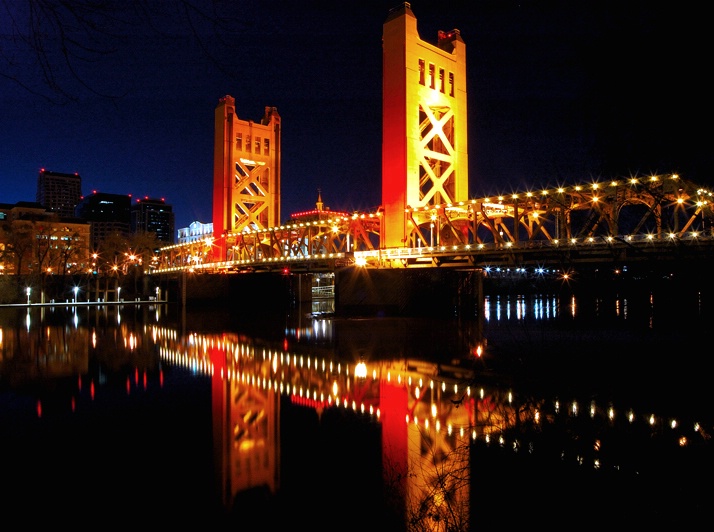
{"x":561,"y":409}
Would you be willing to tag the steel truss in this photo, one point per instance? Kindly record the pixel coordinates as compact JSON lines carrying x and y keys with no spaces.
{"x":651,"y":210}
{"x":656,"y":205}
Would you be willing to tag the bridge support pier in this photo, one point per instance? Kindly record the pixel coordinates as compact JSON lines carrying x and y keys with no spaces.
{"x":429,"y":292}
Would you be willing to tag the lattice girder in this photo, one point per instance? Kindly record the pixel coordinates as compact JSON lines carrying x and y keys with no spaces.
{"x":436,"y":155}
{"x":665,"y":204}
{"x":251,"y":200}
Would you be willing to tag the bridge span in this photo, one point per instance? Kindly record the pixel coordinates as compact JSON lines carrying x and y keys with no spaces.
{"x":659,"y":218}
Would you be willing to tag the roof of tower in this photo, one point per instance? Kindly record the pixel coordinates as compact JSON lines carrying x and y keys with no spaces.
{"x":398,"y":11}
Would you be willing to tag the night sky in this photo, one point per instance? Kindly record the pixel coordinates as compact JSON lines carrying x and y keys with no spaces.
{"x":559,"y":92}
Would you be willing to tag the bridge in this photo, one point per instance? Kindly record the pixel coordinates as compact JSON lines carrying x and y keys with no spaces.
{"x":427,"y":218}
{"x":636,"y":219}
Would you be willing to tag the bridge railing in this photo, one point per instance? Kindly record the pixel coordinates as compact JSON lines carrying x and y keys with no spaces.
{"x":656,"y":210}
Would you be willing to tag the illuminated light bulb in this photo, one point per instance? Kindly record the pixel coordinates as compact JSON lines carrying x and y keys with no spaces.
{"x":361,"y":370}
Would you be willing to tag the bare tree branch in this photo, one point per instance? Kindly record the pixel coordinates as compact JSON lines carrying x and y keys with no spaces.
{"x":50,"y":47}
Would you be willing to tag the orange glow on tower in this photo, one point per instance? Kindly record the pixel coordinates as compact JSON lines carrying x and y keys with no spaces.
{"x":424,"y":122}
{"x":246,"y":173}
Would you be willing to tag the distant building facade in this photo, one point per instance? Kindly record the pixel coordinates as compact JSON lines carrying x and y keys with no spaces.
{"x":34,"y":241}
{"x":59,"y":192}
{"x":151,"y":215}
{"x":108,"y":214}
{"x":195,"y":231}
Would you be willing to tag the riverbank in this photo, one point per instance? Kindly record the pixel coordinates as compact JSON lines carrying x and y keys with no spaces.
{"x":53,"y":303}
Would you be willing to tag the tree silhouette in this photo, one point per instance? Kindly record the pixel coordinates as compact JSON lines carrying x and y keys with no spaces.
{"x":51,"y":47}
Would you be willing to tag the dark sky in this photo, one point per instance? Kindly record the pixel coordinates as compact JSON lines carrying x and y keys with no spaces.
{"x":559,"y":92}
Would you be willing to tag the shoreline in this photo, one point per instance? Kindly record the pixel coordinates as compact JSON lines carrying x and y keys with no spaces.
{"x":86,"y":303}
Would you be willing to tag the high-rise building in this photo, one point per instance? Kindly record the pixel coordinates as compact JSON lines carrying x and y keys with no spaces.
{"x":108,"y":214}
{"x":150,"y":215}
{"x":58,"y":192}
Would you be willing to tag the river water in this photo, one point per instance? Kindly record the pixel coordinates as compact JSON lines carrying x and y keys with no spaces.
{"x":561,"y":409}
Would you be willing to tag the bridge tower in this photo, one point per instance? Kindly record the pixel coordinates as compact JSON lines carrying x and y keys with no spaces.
{"x":246,"y":174}
{"x":424,"y":114}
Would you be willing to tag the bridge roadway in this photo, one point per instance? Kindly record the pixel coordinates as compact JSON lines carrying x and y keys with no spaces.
{"x":533,"y":255}
{"x":657,"y":218}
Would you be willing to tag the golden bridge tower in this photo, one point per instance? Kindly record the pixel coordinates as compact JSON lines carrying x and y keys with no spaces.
{"x":246,"y":174}
{"x":424,"y":144}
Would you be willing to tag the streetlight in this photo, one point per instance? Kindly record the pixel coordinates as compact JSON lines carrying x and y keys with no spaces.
{"x":118,"y":293}
{"x":28,"y":290}
{"x":76,"y":289}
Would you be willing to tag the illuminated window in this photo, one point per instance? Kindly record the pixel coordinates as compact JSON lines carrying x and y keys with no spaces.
{"x":432,"y":75}
{"x":441,"y":80}
{"x":247,"y":143}
{"x":422,"y":81}
{"x":257,"y":145}
{"x":239,"y":141}
{"x":451,"y":83}
{"x":266,"y":150}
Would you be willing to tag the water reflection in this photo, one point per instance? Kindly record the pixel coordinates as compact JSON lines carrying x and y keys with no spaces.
{"x":447,"y":400}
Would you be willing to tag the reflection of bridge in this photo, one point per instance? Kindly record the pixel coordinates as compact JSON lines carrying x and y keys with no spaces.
{"x":426,"y":217}
{"x":430,"y":414}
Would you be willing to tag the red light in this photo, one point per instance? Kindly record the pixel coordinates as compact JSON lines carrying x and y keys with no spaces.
{"x":286,"y":271}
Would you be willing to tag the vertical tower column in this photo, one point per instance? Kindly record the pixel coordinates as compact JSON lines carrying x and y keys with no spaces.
{"x":246,"y":175}
{"x":424,"y":123}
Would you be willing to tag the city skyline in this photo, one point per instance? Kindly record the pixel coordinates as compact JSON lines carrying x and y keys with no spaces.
{"x":558,"y":93}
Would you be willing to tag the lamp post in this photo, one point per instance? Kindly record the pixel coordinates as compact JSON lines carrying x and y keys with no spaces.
{"x":76,"y":289}
{"x":28,"y":291}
